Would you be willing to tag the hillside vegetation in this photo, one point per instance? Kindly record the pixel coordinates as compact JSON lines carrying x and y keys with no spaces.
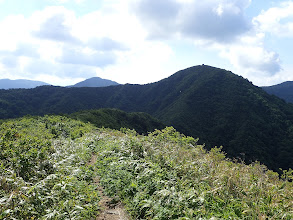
{"x":44,"y":174}
{"x":43,"y":170}
{"x":212,"y":104}
{"x":115,"y":119}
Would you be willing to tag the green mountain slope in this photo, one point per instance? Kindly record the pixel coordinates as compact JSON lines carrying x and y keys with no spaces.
{"x":116,"y":119}
{"x":224,"y":109}
{"x":283,"y":90}
{"x":213,"y":104}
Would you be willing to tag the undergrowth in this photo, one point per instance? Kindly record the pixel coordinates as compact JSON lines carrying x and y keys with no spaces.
{"x":166,"y":175}
{"x":43,"y":170}
{"x":44,"y":174}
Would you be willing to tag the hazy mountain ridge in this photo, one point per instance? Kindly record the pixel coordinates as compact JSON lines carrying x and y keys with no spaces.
{"x":20,"y":83}
{"x":283,"y":90}
{"x":95,"y":82}
{"x":30,"y":84}
{"x":213,"y":104}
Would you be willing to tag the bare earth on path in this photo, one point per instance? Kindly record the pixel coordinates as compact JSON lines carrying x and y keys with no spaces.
{"x":110,"y":210}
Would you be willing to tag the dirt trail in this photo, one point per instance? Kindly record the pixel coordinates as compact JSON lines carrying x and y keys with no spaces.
{"x":110,"y":210}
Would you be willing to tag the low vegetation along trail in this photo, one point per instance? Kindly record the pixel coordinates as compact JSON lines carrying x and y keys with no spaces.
{"x":110,"y":210}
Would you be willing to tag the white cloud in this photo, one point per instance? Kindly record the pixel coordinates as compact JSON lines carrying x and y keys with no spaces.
{"x":253,"y":60}
{"x":57,"y":44}
{"x":220,"y":25}
{"x":55,"y":29}
{"x":276,"y":20}
{"x":250,"y":56}
{"x":144,"y":64}
{"x":215,"y":20}
{"x":113,"y":23}
{"x":12,"y":27}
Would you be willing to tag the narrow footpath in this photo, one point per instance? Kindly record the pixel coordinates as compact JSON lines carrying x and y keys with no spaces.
{"x":110,"y":210}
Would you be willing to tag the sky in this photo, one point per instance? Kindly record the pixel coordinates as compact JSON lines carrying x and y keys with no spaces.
{"x":62,"y":42}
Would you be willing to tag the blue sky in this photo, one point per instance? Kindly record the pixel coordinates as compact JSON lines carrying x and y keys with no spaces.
{"x":142,"y":41}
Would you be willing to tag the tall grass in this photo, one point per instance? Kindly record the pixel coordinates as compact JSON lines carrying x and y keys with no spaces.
{"x":43,"y":170}
{"x":44,"y":174}
{"x":168,"y":176}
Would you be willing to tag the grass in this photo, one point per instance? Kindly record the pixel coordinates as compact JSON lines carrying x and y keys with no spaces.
{"x":165,"y":175}
{"x":44,"y":174}
{"x":43,"y":170}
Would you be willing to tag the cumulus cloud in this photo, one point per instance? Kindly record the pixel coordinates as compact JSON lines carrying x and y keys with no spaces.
{"x":221,"y":21}
{"x":250,"y":55}
{"x":276,"y":20}
{"x":49,"y":47}
{"x":253,"y":59}
{"x":218,"y":24}
{"x":59,"y":44}
{"x":55,"y":29}
{"x":159,"y":16}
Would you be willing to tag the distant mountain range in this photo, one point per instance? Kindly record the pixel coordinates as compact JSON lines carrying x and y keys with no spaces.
{"x":95,"y":82}
{"x":29,"y":84}
{"x":219,"y":107}
{"x":283,"y":90}
{"x":20,"y":84}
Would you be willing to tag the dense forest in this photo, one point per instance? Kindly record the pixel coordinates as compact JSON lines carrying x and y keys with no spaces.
{"x":141,"y":122}
{"x":212,"y":104}
{"x":45,"y":174}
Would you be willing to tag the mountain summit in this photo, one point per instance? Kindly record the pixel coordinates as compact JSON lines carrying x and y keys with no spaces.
{"x":219,"y":107}
{"x":95,"y":82}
